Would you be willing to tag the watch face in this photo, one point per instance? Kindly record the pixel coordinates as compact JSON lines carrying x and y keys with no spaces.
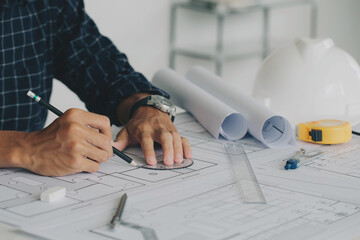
{"x":163,"y":101}
{"x":165,"y":105}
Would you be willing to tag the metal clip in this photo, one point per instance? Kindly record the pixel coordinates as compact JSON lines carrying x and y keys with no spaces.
{"x":300,"y":158}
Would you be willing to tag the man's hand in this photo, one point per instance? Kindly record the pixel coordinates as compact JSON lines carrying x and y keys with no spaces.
{"x":77,"y":141}
{"x":149,"y":125}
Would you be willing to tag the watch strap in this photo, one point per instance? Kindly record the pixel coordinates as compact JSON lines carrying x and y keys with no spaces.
{"x":137,"y":104}
{"x":144,"y":102}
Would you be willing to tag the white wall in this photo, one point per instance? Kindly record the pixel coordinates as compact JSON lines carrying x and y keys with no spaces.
{"x":140,"y":29}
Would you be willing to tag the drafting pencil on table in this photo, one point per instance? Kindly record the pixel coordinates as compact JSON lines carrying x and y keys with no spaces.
{"x":59,"y":113}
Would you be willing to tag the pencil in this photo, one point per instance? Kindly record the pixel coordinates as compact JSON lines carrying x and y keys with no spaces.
{"x":356,"y":133}
{"x":59,"y":113}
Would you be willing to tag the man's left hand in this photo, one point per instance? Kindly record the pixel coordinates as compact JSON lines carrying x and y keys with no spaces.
{"x":149,"y":125}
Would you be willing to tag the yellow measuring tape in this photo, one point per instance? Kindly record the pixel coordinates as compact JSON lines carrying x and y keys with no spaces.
{"x":325,"y":131}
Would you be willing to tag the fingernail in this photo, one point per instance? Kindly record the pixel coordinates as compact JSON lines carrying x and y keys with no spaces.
{"x":188,"y":154}
{"x":152,"y":160}
{"x":178,"y":158}
{"x":112,"y":142}
{"x":169,"y":160}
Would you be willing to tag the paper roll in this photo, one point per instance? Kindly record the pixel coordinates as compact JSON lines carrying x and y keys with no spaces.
{"x":212,"y":114}
{"x":272,"y":130}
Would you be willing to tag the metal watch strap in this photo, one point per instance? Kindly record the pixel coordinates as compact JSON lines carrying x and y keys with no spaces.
{"x":143,"y":102}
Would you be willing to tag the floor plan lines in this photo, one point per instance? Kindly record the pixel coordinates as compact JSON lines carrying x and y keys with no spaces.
{"x":320,"y":200}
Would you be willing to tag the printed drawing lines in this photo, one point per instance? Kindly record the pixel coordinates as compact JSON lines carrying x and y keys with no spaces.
{"x":320,"y":200}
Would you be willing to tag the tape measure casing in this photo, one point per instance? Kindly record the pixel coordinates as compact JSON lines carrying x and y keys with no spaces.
{"x":325,"y":131}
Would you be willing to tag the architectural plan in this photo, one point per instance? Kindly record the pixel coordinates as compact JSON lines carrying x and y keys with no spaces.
{"x":320,"y":200}
{"x":223,"y":109}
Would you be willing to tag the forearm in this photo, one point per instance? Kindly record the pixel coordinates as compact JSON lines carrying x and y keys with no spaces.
{"x":12,"y":148}
{"x":123,"y":109}
{"x":84,"y":57}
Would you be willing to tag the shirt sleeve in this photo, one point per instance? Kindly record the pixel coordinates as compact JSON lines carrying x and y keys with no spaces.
{"x":91,"y":66}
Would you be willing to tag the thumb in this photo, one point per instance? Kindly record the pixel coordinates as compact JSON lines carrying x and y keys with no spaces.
{"x":122,"y":140}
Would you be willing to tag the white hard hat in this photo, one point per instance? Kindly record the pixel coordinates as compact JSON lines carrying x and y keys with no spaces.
{"x":310,"y":79}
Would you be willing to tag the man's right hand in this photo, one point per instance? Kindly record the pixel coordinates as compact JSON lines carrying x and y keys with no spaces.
{"x":77,"y":141}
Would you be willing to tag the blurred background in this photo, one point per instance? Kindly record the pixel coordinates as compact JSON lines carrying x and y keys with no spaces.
{"x":141,"y":29}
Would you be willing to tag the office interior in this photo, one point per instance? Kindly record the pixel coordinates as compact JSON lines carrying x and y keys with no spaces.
{"x":141,"y":29}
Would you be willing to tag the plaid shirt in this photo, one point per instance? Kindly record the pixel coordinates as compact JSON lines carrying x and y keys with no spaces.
{"x":45,"y":39}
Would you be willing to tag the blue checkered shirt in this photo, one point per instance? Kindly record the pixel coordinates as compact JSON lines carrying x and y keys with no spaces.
{"x":45,"y":39}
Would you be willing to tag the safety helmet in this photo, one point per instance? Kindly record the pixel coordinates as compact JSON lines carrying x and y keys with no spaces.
{"x":310,"y":79}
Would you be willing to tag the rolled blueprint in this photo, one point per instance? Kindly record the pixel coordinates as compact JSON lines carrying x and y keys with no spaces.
{"x":212,"y":114}
{"x":272,"y":130}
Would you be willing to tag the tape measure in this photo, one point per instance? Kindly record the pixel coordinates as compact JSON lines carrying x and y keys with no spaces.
{"x":325,"y":131}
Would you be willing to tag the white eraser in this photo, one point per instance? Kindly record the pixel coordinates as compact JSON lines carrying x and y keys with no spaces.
{"x":53,"y":194}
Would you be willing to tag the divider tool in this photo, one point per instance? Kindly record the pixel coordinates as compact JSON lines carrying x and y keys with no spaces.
{"x":243,"y":173}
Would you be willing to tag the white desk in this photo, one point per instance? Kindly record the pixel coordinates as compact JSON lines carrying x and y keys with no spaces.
{"x":318,"y":201}
{"x":10,"y":232}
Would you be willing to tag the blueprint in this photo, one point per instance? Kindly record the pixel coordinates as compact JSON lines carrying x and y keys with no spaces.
{"x":223,"y":109}
{"x":320,"y":200}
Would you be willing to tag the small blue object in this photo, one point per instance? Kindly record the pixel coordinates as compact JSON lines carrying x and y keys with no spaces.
{"x":291,"y":164}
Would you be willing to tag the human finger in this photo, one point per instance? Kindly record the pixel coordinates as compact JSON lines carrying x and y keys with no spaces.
{"x":100,"y":141}
{"x":96,"y":154}
{"x":122,"y":140}
{"x":89,"y":165}
{"x":178,"y":150}
{"x":97,"y":121}
{"x":147,"y":145}
{"x":186,"y":148}
{"x":166,"y":141}
{"x":80,"y":164}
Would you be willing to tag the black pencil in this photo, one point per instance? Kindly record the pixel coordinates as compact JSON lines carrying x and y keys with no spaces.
{"x":356,"y":133}
{"x":59,"y":113}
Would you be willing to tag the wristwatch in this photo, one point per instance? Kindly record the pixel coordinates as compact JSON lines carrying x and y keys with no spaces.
{"x":156,"y":101}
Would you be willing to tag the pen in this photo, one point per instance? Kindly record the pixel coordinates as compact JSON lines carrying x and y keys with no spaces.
{"x":59,"y":113}
{"x":116,"y":218}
